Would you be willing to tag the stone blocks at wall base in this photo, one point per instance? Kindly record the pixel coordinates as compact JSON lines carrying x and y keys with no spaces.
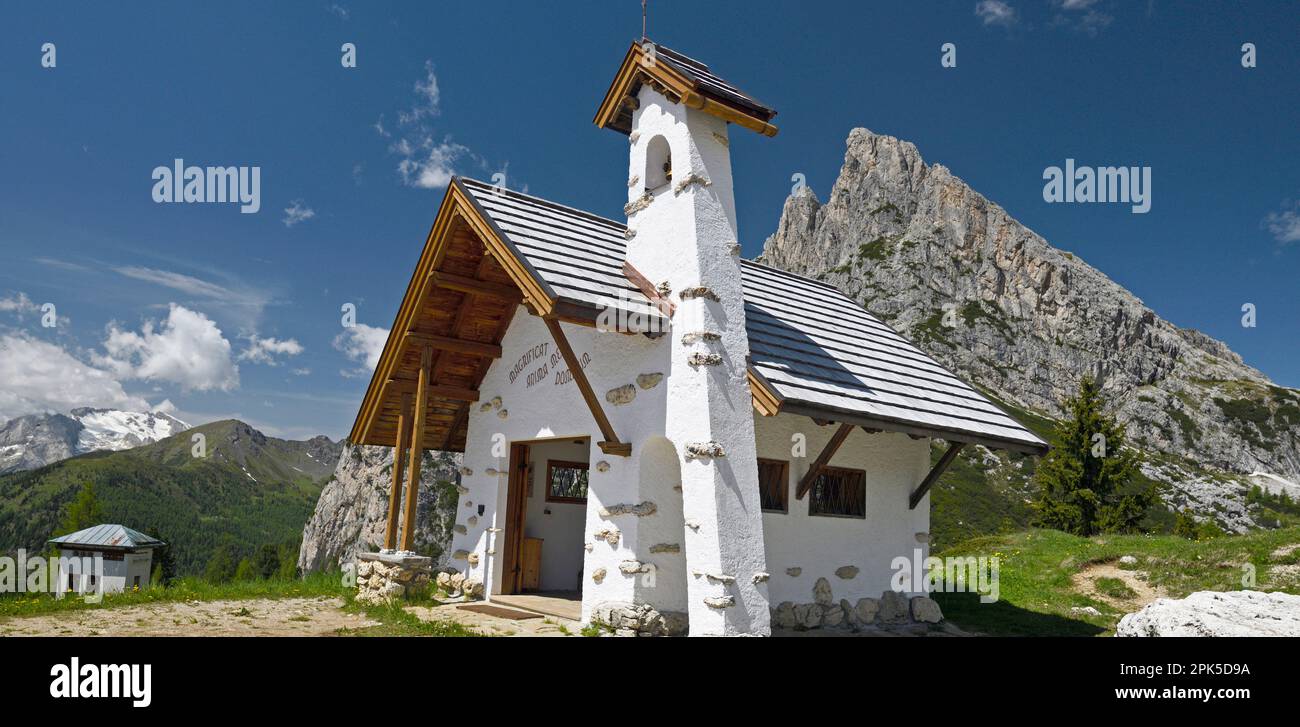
{"x":620,"y":618}
{"x":456,"y":585}
{"x":384,"y":577}
{"x":889,"y":612}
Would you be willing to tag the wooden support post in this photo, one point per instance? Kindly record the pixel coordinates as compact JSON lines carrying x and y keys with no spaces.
{"x":399,"y":458}
{"x":611,"y":444}
{"x":417,"y":448}
{"x":929,"y":480}
{"x":822,"y":460}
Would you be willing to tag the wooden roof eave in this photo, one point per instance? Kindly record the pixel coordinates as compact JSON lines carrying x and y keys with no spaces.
{"x":457,"y":204}
{"x":686,"y":91}
{"x":768,"y":402}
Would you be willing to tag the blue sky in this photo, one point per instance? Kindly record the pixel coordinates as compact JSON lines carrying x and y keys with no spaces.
{"x":226,"y":314}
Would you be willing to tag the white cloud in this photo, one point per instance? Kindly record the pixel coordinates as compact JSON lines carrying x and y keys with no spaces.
{"x":19,"y":304}
{"x":297,"y":212}
{"x":424,"y":161}
{"x":265,"y":350}
{"x":36,"y":376}
{"x":1077,"y":4}
{"x":996,"y":12}
{"x":428,"y":98}
{"x":246,"y":303}
{"x":362,"y":344}
{"x":63,"y":264}
{"x":1284,"y":224}
{"x":187,"y":349}
{"x":339,"y":10}
{"x":430,"y":165}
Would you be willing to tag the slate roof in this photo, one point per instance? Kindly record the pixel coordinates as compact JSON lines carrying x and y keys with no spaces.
{"x":710,"y":84}
{"x":578,"y":255}
{"x":818,"y":350}
{"x":109,"y":536}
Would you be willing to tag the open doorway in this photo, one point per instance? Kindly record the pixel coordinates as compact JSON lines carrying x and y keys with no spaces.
{"x":546,"y":513}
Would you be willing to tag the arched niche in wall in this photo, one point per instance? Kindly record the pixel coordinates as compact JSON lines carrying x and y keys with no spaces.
{"x":658,"y":163}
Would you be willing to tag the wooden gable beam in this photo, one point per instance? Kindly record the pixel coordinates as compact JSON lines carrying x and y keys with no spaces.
{"x":930,"y":479}
{"x":436,"y":391}
{"x":534,"y":290}
{"x":457,"y":207}
{"x":456,"y":345}
{"x":766,"y":401}
{"x":462,"y":284}
{"x":472,"y":291}
{"x":431,"y":257}
{"x":822,"y":460}
{"x":611,"y":444}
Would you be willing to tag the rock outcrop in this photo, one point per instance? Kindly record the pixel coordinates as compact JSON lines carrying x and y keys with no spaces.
{"x":988,"y":297}
{"x":352,"y":511}
{"x":1210,"y":613}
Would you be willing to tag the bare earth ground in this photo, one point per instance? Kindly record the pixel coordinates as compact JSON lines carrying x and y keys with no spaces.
{"x":494,"y":626}
{"x":1085,"y":582}
{"x":255,"y":617}
{"x":318,"y":617}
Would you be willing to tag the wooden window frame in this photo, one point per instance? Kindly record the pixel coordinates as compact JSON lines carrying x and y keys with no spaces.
{"x":785,"y":490}
{"x":551,"y":464}
{"x":833,"y":470}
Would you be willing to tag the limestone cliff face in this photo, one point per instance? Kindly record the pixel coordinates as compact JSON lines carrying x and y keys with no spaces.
{"x":353,"y":508}
{"x":988,"y":297}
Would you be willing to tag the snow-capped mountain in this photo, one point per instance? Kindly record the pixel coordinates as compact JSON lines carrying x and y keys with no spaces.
{"x":36,"y":440}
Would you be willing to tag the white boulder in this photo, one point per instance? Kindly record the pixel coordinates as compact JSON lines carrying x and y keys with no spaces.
{"x":1211,"y":613}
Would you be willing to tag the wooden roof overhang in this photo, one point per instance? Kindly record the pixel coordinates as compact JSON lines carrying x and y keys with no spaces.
{"x":462,"y":296}
{"x":768,"y":402}
{"x":681,"y":80}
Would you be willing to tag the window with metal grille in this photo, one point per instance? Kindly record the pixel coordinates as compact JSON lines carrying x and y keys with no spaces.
{"x":773,"y":485}
{"x":839,"y":492}
{"x":566,"y":481}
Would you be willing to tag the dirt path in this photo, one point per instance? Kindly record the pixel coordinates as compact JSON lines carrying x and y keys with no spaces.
{"x":495,"y":626}
{"x":255,"y":617}
{"x":1085,"y":582}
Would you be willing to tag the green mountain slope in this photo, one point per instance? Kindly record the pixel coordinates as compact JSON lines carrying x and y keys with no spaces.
{"x":249,"y":489}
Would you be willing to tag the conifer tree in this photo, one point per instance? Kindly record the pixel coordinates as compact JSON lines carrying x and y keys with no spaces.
{"x":1086,"y":481}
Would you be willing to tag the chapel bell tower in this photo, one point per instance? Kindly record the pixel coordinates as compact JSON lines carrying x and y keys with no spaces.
{"x":682,"y":237}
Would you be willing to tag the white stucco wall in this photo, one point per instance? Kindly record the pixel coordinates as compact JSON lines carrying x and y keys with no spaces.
{"x":559,"y":524}
{"x":544,"y":409}
{"x":118,"y":575}
{"x":818,"y":545}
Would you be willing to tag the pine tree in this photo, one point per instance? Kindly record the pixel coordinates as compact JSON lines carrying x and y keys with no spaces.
{"x":221,"y":567}
{"x":83,"y":512}
{"x":1086,"y":481}
{"x":266,"y":563}
{"x":245,"y":571}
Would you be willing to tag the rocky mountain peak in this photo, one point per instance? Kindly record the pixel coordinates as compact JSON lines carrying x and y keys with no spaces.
{"x":993,"y":300}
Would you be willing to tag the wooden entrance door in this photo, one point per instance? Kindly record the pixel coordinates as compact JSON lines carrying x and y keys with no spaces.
{"x":516,"y":517}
